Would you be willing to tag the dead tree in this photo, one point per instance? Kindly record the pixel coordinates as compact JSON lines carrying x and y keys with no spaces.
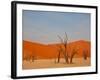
{"x":63,"y":48}
{"x":74,"y":52}
{"x":28,"y":56}
{"x":60,"y":50}
{"x":85,"y":54}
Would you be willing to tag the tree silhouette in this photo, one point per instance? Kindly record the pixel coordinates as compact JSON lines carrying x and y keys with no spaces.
{"x":74,"y":52}
{"x":85,"y":54}
{"x":63,"y":48}
{"x":29,"y":56}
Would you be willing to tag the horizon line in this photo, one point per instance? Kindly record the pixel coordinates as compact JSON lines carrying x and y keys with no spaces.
{"x":55,"y":42}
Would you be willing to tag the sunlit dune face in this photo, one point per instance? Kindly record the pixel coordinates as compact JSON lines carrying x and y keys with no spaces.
{"x":42,"y":51}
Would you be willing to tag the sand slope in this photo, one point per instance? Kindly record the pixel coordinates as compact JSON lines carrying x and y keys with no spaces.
{"x":50,"y":51}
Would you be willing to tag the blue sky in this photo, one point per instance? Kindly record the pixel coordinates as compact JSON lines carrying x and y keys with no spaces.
{"x":43,"y":26}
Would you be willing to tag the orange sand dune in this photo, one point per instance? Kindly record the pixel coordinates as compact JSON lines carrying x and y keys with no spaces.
{"x":41,"y":51}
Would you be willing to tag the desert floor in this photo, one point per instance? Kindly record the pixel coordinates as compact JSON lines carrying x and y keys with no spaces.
{"x":52,"y":63}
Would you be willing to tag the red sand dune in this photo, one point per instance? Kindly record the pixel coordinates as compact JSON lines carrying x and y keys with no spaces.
{"x":41,"y":51}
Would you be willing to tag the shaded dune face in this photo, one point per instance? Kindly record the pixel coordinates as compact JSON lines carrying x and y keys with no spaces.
{"x":50,"y":51}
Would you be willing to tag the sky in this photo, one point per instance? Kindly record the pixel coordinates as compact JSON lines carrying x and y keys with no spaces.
{"x":45,"y":26}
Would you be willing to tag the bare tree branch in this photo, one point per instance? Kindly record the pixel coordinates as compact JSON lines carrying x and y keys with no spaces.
{"x":60,"y":39}
{"x":66,"y":37}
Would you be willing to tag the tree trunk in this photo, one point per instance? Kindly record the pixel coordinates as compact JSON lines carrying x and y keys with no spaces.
{"x":66,"y":54}
{"x":66,"y":57}
{"x":59,"y":57}
{"x":71,"y":60}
